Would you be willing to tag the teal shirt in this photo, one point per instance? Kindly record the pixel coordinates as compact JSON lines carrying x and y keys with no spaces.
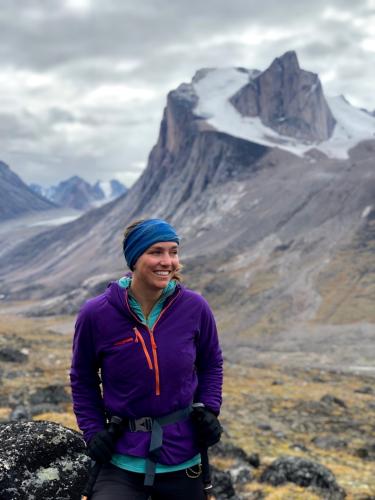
{"x":128,"y":462}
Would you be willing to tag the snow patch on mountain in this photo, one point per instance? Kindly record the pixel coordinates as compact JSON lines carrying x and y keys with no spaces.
{"x":353,"y":125}
{"x":215,"y":87}
{"x":57,"y":221}
{"x":106,"y":187}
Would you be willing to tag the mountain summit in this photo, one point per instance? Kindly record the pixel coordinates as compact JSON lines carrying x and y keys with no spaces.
{"x":287,"y":99}
{"x":283,"y":106}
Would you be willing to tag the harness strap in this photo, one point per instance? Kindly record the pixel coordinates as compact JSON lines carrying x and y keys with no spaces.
{"x":142,"y":425}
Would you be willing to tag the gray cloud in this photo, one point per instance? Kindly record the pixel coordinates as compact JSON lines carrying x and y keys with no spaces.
{"x":83,"y":83}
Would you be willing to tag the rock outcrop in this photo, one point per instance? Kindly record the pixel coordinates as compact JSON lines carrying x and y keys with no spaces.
{"x":41,"y":461}
{"x":305,"y":473}
{"x":288,"y":100}
{"x":45,"y":461}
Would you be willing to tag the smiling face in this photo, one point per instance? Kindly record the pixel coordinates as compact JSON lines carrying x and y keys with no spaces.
{"x":157,"y":265}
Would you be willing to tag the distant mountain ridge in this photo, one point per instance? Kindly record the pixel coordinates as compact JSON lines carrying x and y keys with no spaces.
{"x":16,"y":198}
{"x":77,"y":193}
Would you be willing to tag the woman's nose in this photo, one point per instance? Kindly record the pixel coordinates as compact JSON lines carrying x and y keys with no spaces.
{"x":165,"y":259}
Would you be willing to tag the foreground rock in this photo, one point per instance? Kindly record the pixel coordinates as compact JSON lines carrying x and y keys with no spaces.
{"x":45,"y":461}
{"x":41,"y":461}
{"x":305,"y":473}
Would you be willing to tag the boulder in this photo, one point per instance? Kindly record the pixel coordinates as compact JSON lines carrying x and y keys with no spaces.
{"x":305,"y":473}
{"x":367,"y":451}
{"x":11,"y":355}
{"x":52,"y":394}
{"x":230,"y":482}
{"x":20,"y":412}
{"x":226,"y":449}
{"x":41,"y":461}
{"x":330,"y":400}
{"x":329,"y":442}
{"x":366,"y":389}
{"x":44,"y":461}
{"x":224,"y":489}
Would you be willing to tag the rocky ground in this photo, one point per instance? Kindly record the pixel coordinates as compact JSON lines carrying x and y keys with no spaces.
{"x":291,"y":432}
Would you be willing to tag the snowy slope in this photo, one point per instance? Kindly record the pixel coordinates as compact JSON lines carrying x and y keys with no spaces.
{"x":216,"y":87}
{"x":106,"y":187}
{"x":110,"y":190}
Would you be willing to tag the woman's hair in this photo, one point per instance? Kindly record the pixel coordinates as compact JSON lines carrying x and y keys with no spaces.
{"x":177,"y":275}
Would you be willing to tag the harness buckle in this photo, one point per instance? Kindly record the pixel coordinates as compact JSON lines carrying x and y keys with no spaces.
{"x":143,"y":424}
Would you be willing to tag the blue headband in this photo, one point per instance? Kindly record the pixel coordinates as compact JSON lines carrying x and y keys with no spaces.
{"x":144,"y":235}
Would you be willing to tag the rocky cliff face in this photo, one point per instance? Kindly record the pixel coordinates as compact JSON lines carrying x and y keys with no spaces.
{"x":16,"y":197}
{"x":287,"y":99}
{"x":189,"y":157}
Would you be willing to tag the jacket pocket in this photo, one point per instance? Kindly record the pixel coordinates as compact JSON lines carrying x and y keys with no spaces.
{"x":124,"y":341}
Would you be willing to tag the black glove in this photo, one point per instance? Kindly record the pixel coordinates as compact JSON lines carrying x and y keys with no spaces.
{"x":207,"y":426}
{"x":101,"y":446}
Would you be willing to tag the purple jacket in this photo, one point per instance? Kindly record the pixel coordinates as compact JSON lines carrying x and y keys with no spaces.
{"x":145,"y":372}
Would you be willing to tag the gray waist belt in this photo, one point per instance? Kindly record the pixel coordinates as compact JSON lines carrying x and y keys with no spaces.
{"x":155,"y":426}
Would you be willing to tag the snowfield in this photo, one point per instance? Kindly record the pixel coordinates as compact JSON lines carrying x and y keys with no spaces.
{"x":217,"y":86}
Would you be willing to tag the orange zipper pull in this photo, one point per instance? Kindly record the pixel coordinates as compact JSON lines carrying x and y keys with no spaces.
{"x":136,"y":336}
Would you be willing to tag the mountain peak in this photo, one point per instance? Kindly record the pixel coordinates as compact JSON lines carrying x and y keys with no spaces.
{"x":289,"y":61}
{"x":287,"y":99}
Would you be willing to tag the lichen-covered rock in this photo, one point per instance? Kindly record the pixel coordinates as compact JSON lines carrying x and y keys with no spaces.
{"x":305,"y":473}
{"x":223,"y":485}
{"x":41,"y":461}
{"x":230,"y":482}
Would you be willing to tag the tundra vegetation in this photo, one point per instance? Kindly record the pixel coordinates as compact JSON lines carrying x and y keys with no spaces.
{"x":270,"y":410}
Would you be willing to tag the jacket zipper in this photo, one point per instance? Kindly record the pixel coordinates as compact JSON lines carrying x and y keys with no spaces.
{"x":152,"y":339}
{"x":142,"y":341}
{"x":154,"y":347}
{"x":156,"y":364}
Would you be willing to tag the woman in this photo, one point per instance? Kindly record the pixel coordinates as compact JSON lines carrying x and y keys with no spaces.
{"x":155,"y":345}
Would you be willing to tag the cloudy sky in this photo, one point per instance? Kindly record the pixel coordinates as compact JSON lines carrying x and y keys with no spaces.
{"x":83,"y":83}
